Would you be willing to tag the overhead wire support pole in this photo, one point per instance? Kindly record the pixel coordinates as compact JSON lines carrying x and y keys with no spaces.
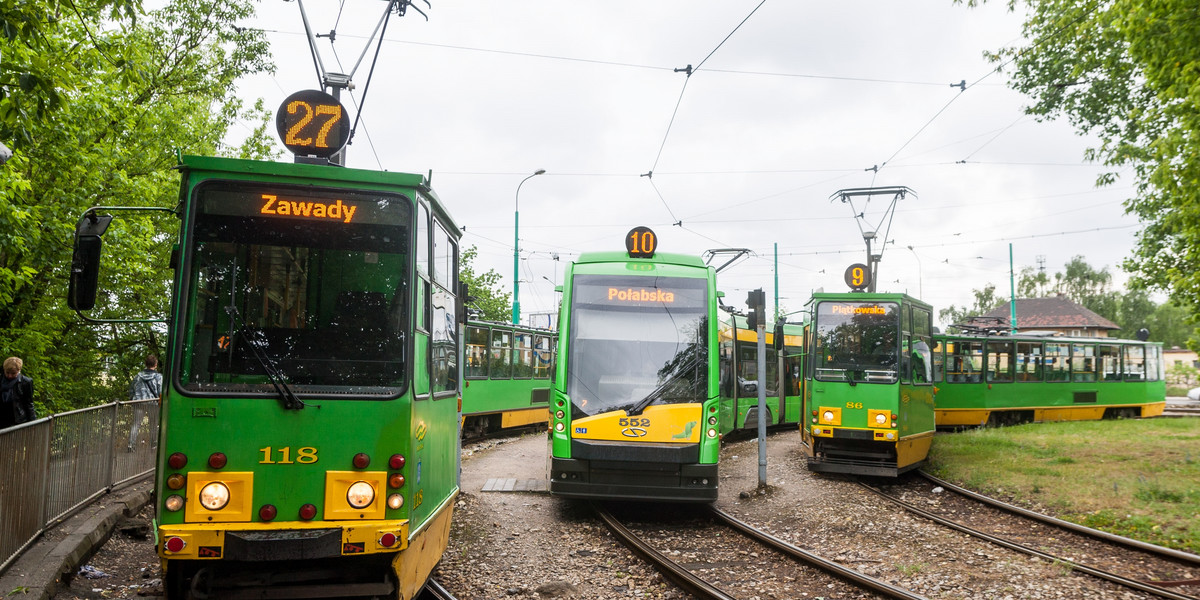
{"x":847,"y":197}
{"x":312,"y":46}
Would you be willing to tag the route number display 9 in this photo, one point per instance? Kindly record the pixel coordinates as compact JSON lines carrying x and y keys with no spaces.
{"x":858,"y":276}
{"x":641,"y":242}
{"x":312,"y":123}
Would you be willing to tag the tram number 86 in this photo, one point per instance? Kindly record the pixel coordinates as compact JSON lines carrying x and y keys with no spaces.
{"x":627,"y":422}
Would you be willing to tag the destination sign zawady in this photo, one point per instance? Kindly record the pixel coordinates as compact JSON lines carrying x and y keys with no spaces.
{"x":307,"y":209}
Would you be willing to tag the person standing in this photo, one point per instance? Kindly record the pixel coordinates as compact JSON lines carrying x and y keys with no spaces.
{"x":16,"y":395}
{"x":147,"y":385}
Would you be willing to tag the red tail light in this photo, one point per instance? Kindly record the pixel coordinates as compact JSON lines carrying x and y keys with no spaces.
{"x":268,"y":512}
{"x":361,"y":461}
{"x":307,"y":512}
{"x":218,"y":460}
{"x":174,"y":544}
{"x":177,"y":460}
{"x":387,"y":540}
{"x":396,"y":461}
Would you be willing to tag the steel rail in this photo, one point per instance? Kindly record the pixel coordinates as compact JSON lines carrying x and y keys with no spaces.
{"x":681,"y":576}
{"x":1098,"y":573}
{"x":829,"y":566}
{"x":434,"y":591}
{"x":1088,"y":531}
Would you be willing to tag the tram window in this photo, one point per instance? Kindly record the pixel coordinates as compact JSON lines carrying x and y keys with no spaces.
{"x":1135,"y":363}
{"x":523,"y":356}
{"x":422,"y":240}
{"x":793,"y":363}
{"x":1083,"y":363}
{"x":1057,"y":361}
{"x":999,"y":362}
{"x":1153,"y":363}
{"x":542,"y":356}
{"x":939,"y":361}
{"x":477,"y":353}
{"x":748,"y":373}
{"x":1029,"y":361}
{"x":501,"y":362}
{"x":965,"y":361}
{"x":922,"y":357}
{"x":906,"y":351}
{"x":1110,"y":362}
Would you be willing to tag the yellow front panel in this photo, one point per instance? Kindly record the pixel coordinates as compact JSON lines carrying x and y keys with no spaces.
{"x":337,"y":485}
{"x":1153,"y":410}
{"x":913,"y":449}
{"x":829,"y":416}
{"x":241,"y":497}
{"x":659,"y":423}
{"x":206,"y":543}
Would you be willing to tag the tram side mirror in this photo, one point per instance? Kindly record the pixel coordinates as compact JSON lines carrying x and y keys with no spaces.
{"x":85,"y":261}
{"x":778,"y":337}
{"x":460,"y":302}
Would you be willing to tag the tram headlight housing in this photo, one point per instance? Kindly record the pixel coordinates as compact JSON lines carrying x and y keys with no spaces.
{"x":174,"y":503}
{"x":214,"y":496}
{"x":828,"y":415}
{"x":880,"y":419}
{"x":360,"y":495}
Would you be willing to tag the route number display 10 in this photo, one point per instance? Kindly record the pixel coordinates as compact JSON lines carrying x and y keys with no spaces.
{"x":641,"y":242}
{"x":312,"y":123}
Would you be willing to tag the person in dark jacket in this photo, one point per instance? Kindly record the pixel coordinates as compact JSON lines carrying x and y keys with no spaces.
{"x":16,"y":395}
{"x":147,"y":385}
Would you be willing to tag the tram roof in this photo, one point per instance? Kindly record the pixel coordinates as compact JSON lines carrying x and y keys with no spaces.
{"x":869,"y":297}
{"x":668,"y":258}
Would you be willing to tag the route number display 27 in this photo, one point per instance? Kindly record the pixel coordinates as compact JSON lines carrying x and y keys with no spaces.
{"x":312,"y":123}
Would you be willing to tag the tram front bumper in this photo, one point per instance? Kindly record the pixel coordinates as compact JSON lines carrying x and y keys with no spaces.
{"x":632,"y":480}
{"x":280,"y":541}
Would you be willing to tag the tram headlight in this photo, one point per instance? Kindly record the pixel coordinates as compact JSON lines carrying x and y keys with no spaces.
{"x":712,"y":433}
{"x":214,"y":496}
{"x":360,"y":495}
{"x":174,"y":503}
{"x":827,"y":415}
{"x":560,"y":414}
{"x":880,"y":419}
{"x":712,"y":420}
{"x":395,"y":501}
{"x":559,"y":427}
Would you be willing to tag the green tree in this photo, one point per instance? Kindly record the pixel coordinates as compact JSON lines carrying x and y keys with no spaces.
{"x":1128,"y":72}
{"x":487,"y":302}
{"x":985,"y":301}
{"x":127,"y":96}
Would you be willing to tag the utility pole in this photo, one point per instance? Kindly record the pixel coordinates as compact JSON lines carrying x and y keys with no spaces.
{"x":756,"y":301}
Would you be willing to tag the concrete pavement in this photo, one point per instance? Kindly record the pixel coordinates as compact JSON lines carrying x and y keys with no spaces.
{"x":40,"y":571}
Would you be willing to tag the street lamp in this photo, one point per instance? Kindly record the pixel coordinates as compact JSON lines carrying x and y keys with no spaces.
{"x":920,"y":285}
{"x":516,"y":313}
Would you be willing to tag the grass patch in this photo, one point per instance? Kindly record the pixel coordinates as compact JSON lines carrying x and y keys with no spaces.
{"x":910,"y":569}
{"x":1134,"y":477}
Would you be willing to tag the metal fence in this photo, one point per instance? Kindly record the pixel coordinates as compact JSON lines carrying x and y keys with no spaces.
{"x":52,"y":467}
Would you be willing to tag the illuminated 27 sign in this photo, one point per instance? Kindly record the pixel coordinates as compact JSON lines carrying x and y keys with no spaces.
{"x":311,"y":122}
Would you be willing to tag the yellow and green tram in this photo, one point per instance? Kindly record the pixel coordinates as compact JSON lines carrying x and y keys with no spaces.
{"x":507,"y":372}
{"x":869,"y":394}
{"x":309,"y":430}
{"x":634,"y":396}
{"x":1008,"y":379}
{"x":739,"y":374}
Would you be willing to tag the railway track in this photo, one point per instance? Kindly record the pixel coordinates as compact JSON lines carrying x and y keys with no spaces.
{"x":434,"y":591}
{"x":727,"y":560}
{"x":1162,"y":572}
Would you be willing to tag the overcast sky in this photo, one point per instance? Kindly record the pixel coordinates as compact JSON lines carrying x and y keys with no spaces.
{"x":801,"y":100}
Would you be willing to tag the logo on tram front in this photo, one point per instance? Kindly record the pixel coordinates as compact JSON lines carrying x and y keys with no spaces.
{"x":634,"y":432}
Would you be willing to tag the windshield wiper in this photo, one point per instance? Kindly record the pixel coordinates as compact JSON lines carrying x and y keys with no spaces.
{"x":286,"y":396}
{"x":661,"y":390}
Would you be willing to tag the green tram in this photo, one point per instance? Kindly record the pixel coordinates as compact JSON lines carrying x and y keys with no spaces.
{"x":869,"y":394}
{"x":634,"y":396}
{"x":1008,"y":379}
{"x":507,"y":376}
{"x":739,"y":374}
{"x":309,"y":433}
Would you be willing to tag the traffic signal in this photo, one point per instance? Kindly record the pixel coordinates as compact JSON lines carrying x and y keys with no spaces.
{"x":756,"y":301}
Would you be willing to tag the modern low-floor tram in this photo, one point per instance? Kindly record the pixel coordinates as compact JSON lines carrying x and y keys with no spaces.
{"x":634,"y":397}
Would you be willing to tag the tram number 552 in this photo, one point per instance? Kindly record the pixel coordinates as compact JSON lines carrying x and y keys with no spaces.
{"x":628,"y":422}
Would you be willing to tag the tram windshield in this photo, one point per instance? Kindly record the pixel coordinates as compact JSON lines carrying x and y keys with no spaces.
{"x":636,"y":341}
{"x":296,"y":290}
{"x":857,"y":341}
